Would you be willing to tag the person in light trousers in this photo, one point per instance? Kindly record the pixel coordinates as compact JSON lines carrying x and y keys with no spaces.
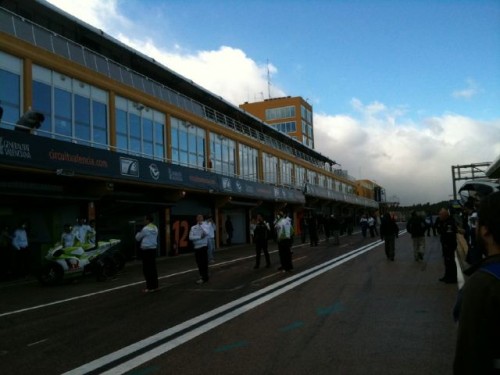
{"x":198,"y":234}
{"x":210,"y":226}
{"x":148,"y":237}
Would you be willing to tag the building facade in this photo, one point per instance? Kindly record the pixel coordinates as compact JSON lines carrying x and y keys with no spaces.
{"x":123,"y":136}
{"x":290,"y":115}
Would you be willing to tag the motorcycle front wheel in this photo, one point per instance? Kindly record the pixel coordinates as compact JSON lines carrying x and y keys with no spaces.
{"x":51,"y":274}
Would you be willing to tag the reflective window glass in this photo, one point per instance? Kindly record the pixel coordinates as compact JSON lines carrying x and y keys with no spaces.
{"x":82,"y":119}
{"x":63,"y":118}
{"x":100,"y":124}
{"x":188,"y":143}
{"x":135,"y":133}
{"x":10,"y":98}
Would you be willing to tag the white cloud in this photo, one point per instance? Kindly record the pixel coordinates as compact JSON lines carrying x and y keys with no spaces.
{"x":412,"y":161}
{"x":102,"y":14}
{"x":227,"y":72}
{"x":471,"y":90}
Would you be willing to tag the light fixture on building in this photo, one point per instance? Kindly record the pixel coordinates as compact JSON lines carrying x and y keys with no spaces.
{"x":138,"y":106}
{"x":31,"y":120}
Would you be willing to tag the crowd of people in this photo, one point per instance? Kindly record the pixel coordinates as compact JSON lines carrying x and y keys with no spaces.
{"x":478,"y":302}
{"x":332,"y":226}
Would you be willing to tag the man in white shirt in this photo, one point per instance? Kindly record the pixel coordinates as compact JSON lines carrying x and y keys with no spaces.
{"x":80,"y":231}
{"x":148,"y":237}
{"x":67,"y":237}
{"x":198,"y":234}
{"x":210,"y":227}
{"x":284,"y":235}
{"x":21,"y":250}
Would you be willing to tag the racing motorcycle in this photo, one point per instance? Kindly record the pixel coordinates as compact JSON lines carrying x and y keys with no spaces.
{"x":63,"y":263}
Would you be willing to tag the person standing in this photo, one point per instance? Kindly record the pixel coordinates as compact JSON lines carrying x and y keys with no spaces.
{"x":148,"y":237}
{"x":261,"y":236}
{"x":430,"y":225}
{"x":447,"y":229}
{"x":364,"y":225}
{"x":210,"y":226}
{"x":198,"y":234}
{"x":349,"y":223}
{"x":253,"y":223}
{"x":92,"y":234}
{"x":477,"y":348}
{"x":21,"y":250}
{"x":80,"y":231}
{"x":389,"y":231}
{"x":334,"y":225}
{"x":229,"y":230}
{"x":67,"y":236}
{"x":376,"y":222}
{"x":371,"y":225}
{"x":304,"y":228}
{"x":313,"y":230}
{"x":416,"y":227}
{"x":284,"y":235}
{"x":326,"y":228}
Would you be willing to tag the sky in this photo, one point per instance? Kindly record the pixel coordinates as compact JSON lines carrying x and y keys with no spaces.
{"x":401,"y":90}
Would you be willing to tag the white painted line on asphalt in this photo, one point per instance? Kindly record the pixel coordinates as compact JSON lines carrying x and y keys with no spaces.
{"x":116,"y":288}
{"x":219,"y":316}
{"x":37,"y":342}
{"x":89,"y":294}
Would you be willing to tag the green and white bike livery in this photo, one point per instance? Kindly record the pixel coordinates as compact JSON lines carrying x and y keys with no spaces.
{"x":103,"y":260}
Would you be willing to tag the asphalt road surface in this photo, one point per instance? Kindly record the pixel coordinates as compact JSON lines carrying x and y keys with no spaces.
{"x":343,"y":310}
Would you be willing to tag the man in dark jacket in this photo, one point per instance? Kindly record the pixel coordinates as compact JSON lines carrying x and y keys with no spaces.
{"x":229,"y":230}
{"x":478,"y":341}
{"x":260,"y":237}
{"x":389,"y":231}
{"x":334,"y":225}
{"x":416,"y":227}
{"x":447,"y":229}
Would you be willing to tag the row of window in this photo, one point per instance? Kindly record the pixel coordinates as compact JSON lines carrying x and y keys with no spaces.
{"x":306,"y":114}
{"x":285,"y":127}
{"x":288,"y":112}
{"x":279,"y":113}
{"x":79,"y":112}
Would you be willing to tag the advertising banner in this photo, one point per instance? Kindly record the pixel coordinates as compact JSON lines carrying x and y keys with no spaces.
{"x":70,"y":159}
{"x":239,"y":187}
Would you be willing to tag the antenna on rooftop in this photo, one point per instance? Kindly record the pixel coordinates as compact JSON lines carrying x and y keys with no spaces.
{"x":268,"y":81}
{"x":261,"y":96}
